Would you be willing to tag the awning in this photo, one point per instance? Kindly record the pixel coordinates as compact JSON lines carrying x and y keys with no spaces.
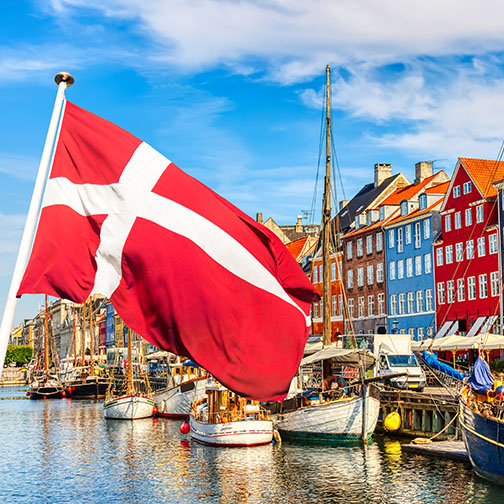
{"x":453,"y":329}
{"x":444,"y":328}
{"x":488,"y":324}
{"x":157,"y":355}
{"x":343,"y":356}
{"x":475,"y":327}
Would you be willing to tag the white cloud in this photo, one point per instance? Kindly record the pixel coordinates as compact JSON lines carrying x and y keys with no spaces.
{"x":18,"y":166}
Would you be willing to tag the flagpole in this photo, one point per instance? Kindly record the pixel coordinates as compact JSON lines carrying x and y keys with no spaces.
{"x":63,"y":80}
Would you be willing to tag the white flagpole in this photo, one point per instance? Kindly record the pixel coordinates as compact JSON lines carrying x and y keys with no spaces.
{"x":63,"y":80}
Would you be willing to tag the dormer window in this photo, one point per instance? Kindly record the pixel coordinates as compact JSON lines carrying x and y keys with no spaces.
{"x":423,"y":202}
{"x":357,"y":222}
{"x":368,"y":219}
{"x":404,"y":208}
{"x":382,"y":212}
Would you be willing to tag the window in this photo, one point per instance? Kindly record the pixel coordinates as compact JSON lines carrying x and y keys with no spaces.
{"x":379,"y":273}
{"x":350,"y":307}
{"x":494,"y":283}
{"x":315,"y":310}
{"x":447,"y":223}
{"x":450,"y":291}
{"x":430,"y":332}
{"x":393,"y":304}
{"x":481,"y":246}
{"x":360,"y":277}
{"x":379,"y":242}
{"x":422,"y":202}
{"x":468,"y":216}
{"x":381,"y":304}
{"x":350,"y":279}
{"x":349,"y":250}
{"x":439,"y":256}
{"x":369,"y":244}
{"x":419,"y":301}
{"x":440,"y":292}
{"x":382,"y":213}
{"x":458,"y":220}
{"x":402,"y":331}
{"x":418,"y":265}
{"x":456,"y":191}
{"x":470,"y":249}
{"x":459,"y":251}
{"x":334,"y":306}
{"x":400,"y":269}
{"x":340,"y":303}
{"x":409,"y":267}
{"x":407,"y":232}
{"x":321,"y":308}
{"x":460,"y":289}
{"x":483,"y":285}
{"x":471,"y":288}
{"x":360,"y":307}
{"x":411,"y":332}
{"x":420,"y":332}
{"x":321,"y":273}
{"x":400,"y":239}
{"x":402,"y":307}
{"x":492,"y":243}
{"x":360,"y":253}
{"x":404,"y":208}
{"x":315,"y":274}
{"x":391,"y":236}
{"x":449,"y":254}
{"x":370,"y":275}
{"x":392,"y":270}
{"x":411,"y":302}
{"x":467,"y":187}
{"x":418,"y":236}
{"x":479,"y":213}
{"x":427,"y":263}
{"x":426,"y":229}
{"x":428,"y":300}
{"x":370,"y":305}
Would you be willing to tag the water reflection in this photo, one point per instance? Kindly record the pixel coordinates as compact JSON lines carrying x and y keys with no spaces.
{"x":65,"y":451}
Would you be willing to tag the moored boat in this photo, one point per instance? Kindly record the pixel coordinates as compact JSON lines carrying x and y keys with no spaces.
{"x":225,"y":419}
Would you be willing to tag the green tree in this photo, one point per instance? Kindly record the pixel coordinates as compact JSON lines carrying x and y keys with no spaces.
{"x":20,"y":354}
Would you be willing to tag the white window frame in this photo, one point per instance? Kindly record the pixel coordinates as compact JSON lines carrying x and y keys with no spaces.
{"x":360,"y":307}
{"x":481,"y":246}
{"x":411,"y":302}
{"x":369,"y":244}
{"x":379,"y":241}
{"x":483,"y":285}
{"x":456,"y":191}
{"x":350,"y":308}
{"x":450,"y":291}
{"x":427,"y":263}
{"x":441,"y":293}
{"x":379,"y":273}
{"x":471,"y":288}
{"x":494,"y":283}
{"x":439,"y":256}
{"x":447,"y":223}
{"x":449,"y":254}
{"x":460,"y":290}
{"x":492,"y":243}
{"x":468,"y":216}
{"x":370,"y":306}
{"x":426,"y":229}
{"x":470,"y":249}
{"x":467,"y":187}
{"x":370,"y":275}
{"x":360,"y":277}
{"x":334,"y":306}
{"x":407,"y":234}
{"x":350,"y":279}
{"x":392,"y":270}
{"x":402,"y":304}
{"x":360,"y":249}
{"x":381,"y":303}
{"x":419,"y":301}
{"x":458,"y":220}
{"x":480,"y":214}
{"x":400,"y":269}
{"x":418,"y":235}
{"x":400,"y":244}
{"x":333,"y":271}
{"x":349,"y":250}
{"x":393,"y":304}
{"x":459,"y":251}
{"x":391,"y":238}
{"x":315,"y":274}
{"x":429,"y":304}
{"x":418,"y":265}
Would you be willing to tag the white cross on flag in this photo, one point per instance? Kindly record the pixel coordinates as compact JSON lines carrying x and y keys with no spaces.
{"x":183,"y":267}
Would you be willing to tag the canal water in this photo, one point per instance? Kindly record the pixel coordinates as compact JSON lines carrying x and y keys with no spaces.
{"x":64,"y":451}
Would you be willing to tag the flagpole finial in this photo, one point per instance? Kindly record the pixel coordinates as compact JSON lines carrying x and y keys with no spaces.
{"x":64,"y":77}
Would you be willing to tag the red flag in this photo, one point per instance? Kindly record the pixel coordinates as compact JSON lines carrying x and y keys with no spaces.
{"x":183,"y":267}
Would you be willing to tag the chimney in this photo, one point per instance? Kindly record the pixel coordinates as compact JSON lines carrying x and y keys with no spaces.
{"x":259,"y":217}
{"x":343,"y":204}
{"x":423,"y":170}
{"x":382,"y":171}
{"x":299,"y":224}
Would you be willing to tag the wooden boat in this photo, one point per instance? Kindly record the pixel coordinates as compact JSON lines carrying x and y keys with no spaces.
{"x":129,"y":399}
{"x":46,"y":385}
{"x":225,"y":419}
{"x":186,"y":384}
{"x":348,"y":414}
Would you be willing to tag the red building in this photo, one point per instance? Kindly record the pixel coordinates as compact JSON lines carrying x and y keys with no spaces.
{"x":466,"y":258}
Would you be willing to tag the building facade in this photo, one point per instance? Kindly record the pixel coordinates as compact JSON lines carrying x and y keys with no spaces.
{"x":466,"y":258}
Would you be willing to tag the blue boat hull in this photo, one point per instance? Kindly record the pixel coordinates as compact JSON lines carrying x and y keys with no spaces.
{"x":484,"y":440}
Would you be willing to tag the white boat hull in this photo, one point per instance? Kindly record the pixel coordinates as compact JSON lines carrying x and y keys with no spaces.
{"x":333,"y":421}
{"x":241,"y":433}
{"x":129,"y":407}
{"x":176,"y":402}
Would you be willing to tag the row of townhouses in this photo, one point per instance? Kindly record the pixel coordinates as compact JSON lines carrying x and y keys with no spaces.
{"x":423,"y":258}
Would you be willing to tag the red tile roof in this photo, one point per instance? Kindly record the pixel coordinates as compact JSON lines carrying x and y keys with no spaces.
{"x":417,"y":212}
{"x":484,"y":172}
{"x":439,"y":188}
{"x":296,"y":247}
{"x":407,"y":192}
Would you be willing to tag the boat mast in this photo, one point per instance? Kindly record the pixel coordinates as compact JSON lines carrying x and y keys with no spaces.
{"x":130,"y":364}
{"x":74,"y":335}
{"x":91,"y":329}
{"x":326,"y":223}
{"x":83,"y":349}
{"x":46,"y":339}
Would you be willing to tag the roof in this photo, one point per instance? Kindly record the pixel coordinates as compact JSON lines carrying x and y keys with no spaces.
{"x":362,"y":200}
{"x":416,"y":213}
{"x":438,"y":188}
{"x":483,"y":172}
{"x":343,"y":356}
{"x":406,"y":193}
{"x":374,"y":225}
{"x":296,"y":247}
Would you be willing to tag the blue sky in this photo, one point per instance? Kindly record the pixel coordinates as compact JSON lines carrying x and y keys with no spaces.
{"x":231,"y":91}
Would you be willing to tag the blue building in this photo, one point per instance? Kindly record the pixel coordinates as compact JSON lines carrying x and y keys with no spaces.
{"x":410,"y":262}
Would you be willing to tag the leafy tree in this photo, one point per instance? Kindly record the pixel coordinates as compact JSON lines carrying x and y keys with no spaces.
{"x":20,"y":354}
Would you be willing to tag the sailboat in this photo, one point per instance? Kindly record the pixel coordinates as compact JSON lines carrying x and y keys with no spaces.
{"x":129,"y":399}
{"x":349,"y":413}
{"x":186,"y":383}
{"x":223,"y":418}
{"x":85,"y":381}
{"x":46,"y":384}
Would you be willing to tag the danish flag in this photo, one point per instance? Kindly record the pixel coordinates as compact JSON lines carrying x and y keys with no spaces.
{"x":183,"y":267}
